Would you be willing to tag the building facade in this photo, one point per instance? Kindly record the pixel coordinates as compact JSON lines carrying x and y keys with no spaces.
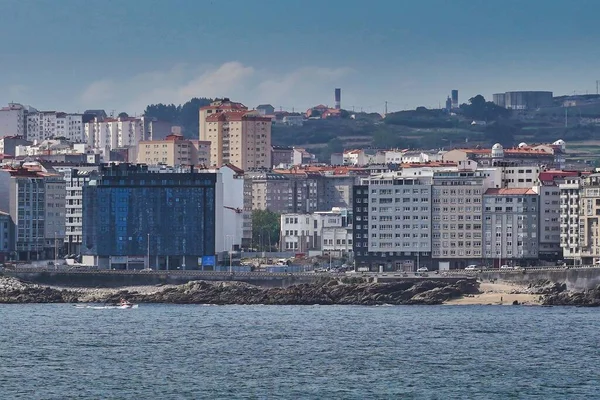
{"x":240,"y":138}
{"x":133,"y":218}
{"x":570,"y":229}
{"x":37,"y":208}
{"x":510,"y":226}
{"x":12,"y":120}
{"x":457,"y":217}
{"x":75,"y":179}
{"x":324,"y":232}
{"x":392,"y":222}
{"x":113,"y":133}
{"x":51,"y":124}
{"x":6,"y":239}
{"x":173,"y":151}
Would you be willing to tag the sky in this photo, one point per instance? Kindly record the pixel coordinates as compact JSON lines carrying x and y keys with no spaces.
{"x":73,"y":55}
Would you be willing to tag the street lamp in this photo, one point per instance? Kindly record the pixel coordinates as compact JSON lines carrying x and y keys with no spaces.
{"x":148,"y":253}
{"x":229,"y":251}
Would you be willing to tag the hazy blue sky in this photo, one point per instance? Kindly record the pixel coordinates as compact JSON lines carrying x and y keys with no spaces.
{"x":76,"y":54}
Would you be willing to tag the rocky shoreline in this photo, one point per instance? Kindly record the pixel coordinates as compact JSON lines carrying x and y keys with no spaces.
{"x":327,"y":292}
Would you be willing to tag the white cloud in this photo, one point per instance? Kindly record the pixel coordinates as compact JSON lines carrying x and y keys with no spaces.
{"x":301,"y":87}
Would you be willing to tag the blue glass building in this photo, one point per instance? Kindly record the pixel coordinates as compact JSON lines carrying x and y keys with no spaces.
{"x":134,"y":218}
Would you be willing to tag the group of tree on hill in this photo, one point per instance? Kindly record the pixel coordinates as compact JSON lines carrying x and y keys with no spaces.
{"x":185,"y":115}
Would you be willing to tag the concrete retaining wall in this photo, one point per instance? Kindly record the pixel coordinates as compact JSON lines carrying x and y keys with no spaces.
{"x":112,"y":279}
{"x":575,"y":278}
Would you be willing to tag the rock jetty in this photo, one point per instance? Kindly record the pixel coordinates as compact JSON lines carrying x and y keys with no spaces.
{"x":14,"y":291}
{"x":201,"y":292}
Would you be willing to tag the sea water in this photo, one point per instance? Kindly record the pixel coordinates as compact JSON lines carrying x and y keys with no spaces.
{"x":299,"y":352}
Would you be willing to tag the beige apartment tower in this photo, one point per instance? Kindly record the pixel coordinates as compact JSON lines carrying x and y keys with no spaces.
{"x":173,"y":151}
{"x":237,"y":136}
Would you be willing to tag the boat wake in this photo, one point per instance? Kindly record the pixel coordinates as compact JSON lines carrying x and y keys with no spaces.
{"x":118,"y":307}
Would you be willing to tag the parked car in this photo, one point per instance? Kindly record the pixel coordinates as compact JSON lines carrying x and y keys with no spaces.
{"x":505,"y":266}
{"x":422,"y":269}
{"x":472,"y":268}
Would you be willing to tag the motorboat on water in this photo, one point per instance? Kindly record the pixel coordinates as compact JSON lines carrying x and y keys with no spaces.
{"x":122,"y":305}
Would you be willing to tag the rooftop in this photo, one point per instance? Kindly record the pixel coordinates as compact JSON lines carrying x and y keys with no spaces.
{"x":507,"y":192}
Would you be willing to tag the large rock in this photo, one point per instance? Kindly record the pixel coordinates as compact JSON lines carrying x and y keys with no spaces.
{"x":14,"y":291}
{"x":588,"y":298}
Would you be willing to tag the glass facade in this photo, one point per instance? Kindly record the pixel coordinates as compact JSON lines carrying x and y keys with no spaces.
{"x":176,"y":210}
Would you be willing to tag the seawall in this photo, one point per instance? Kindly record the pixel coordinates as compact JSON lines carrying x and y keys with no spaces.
{"x":115,"y":279}
{"x":576,"y":279}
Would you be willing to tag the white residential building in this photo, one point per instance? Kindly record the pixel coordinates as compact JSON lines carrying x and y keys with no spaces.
{"x":355,"y":157}
{"x":322,"y":232}
{"x":569,"y":217}
{"x":75,"y":179}
{"x":114,"y":133}
{"x":51,"y":124}
{"x":400,"y":214}
{"x":12,"y":120}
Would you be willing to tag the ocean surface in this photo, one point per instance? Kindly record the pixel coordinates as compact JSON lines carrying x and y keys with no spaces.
{"x":299,"y":352}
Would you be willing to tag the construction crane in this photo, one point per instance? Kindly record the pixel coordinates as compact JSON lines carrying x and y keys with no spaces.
{"x":236,"y":210}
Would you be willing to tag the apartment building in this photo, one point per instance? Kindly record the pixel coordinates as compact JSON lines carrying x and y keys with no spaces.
{"x":51,"y":124}
{"x":37,"y":208}
{"x":5,"y":236}
{"x":570,"y":233}
{"x":75,"y":180}
{"x":510,"y":226}
{"x":322,"y":232}
{"x":173,"y":151}
{"x":392,"y":222}
{"x":550,"y":212}
{"x":457,"y":216}
{"x":113,"y":133}
{"x":12,"y":120}
{"x":589,"y":219}
{"x":238,"y":136}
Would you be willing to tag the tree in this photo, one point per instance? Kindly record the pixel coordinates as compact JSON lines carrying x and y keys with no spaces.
{"x":265,"y":229}
{"x":315,"y":114}
{"x":481,"y":110}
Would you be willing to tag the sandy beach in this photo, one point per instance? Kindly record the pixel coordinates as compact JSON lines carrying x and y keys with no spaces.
{"x":498,"y":294}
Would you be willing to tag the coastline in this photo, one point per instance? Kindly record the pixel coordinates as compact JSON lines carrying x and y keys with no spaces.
{"x":325,"y":292}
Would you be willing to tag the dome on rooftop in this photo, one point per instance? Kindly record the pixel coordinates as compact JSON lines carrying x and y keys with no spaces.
{"x":497,"y":146}
{"x":522,"y":144}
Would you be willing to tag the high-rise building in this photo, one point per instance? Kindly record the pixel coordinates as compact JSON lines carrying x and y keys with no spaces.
{"x":135,"y":217}
{"x":51,"y":124}
{"x":113,"y":133}
{"x":12,"y":120}
{"x":238,"y":136}
{"x":457,"y":217}
{"x":5,"y":236}
{"x":338,"y":98}
{"x":37,"y":208}
{"x":454,"y":98}
{"x":550,"y":212}
{"x":570,"y":229}
{"x":510,"y":226}
{"x":392,"y":222}
{"x":76,"y":179}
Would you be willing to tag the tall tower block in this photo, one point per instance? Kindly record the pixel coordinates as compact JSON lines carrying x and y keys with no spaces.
{"x":455,"y":98}
{"x":338,"y":98}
